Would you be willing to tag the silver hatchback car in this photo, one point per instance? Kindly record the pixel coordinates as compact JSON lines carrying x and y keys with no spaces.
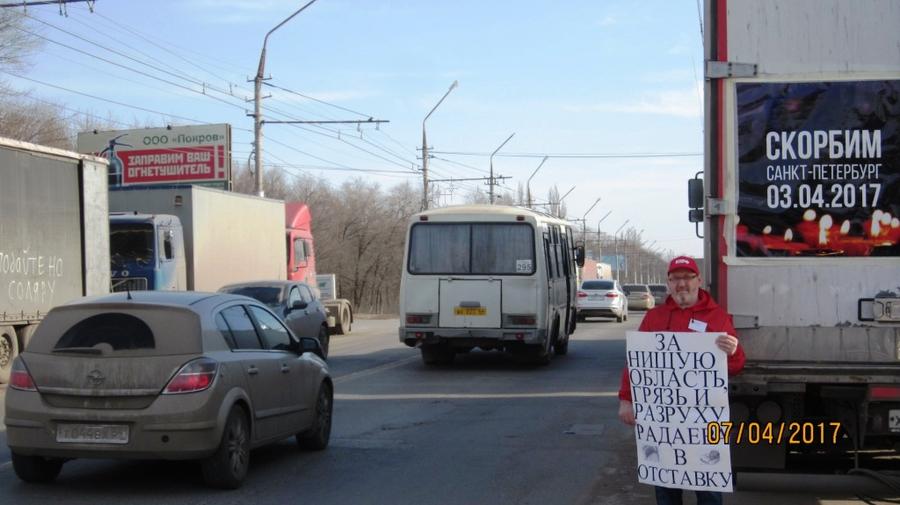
{"x":164,"y":375}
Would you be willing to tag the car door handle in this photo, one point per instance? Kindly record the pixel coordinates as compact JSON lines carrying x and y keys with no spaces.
{"x":285,"y":368}
{"x":252,"y":370}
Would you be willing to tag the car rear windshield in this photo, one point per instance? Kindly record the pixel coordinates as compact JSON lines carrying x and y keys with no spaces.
{"x":268,"y":295}
{"x":156,"y":330}
{"x":635,"y":288}
{"x":658,"y":289}
{"x":597,"y":285}
{"x":472,"y":248}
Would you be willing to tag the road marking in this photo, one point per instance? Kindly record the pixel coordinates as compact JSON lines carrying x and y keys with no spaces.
{"x":371,"y":371}
{"x":479,"y":396}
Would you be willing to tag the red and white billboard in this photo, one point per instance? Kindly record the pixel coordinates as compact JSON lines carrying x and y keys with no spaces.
{"x":173,"y":155}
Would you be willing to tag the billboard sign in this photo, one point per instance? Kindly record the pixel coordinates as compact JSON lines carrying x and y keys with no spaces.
{"x":174,"y":155}
{"x":818,"y":168}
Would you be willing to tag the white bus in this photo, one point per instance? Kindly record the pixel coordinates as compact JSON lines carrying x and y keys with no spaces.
{"x":488,"y":276}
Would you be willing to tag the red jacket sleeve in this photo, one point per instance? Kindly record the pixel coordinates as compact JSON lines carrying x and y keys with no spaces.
{"x":735,"y":361}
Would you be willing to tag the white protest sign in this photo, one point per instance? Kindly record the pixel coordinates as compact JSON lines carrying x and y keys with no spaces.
{"x":679,"y":385}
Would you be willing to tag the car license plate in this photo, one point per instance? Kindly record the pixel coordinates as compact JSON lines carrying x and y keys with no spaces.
{"x":894,"y":420}
{"x":470,"y":311}
{"x":92,"y":433}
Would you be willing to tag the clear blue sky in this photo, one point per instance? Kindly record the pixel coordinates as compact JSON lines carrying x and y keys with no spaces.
{"x":597,"y":77}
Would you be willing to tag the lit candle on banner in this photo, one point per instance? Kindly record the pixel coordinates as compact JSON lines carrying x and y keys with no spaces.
{"x":809,"y":229}
{"x":894,"y":233}
{"x":784,"y":246}
{"x":826,"y":245}
{"x":852,"y":245}
{"x":824,"y":230}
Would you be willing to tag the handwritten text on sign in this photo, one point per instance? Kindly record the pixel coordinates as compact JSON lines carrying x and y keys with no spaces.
{"x":679,"y":384}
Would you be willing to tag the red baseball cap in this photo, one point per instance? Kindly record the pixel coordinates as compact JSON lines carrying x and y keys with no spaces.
{"x":683,"y":263}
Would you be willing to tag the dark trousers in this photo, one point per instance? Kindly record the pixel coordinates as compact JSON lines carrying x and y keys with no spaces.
{"x":667,"y":496}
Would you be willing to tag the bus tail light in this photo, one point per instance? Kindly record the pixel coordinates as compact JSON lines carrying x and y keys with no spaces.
{"x":511,"y":320}
{"x":419,"y":319}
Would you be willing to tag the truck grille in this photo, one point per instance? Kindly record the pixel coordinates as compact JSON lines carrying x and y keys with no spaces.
{"x":129,"y":284}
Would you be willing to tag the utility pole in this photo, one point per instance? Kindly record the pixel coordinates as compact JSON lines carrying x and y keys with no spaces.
{"x":257,"y":103}
{"x":492,"y":183}
{"x":616,"y":246}
{"x":425,"y":148}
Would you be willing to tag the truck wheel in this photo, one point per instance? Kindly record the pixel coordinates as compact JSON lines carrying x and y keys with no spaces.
{"x":36,"y":469}
{"x":9,"y":349}
{"x":344,"y":324}
{"x":316,"y":438}
{"x":227,"y":467}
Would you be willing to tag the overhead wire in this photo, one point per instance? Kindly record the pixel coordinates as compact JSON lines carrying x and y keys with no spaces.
{"x":205,"y":86}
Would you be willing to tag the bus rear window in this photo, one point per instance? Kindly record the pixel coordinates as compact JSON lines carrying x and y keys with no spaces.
{"x":472,"y":248}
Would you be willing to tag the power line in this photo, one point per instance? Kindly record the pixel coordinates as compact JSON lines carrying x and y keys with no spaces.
{"x":572,"y":155}
{"x":316,"y":100}
{"x":144,"y":109}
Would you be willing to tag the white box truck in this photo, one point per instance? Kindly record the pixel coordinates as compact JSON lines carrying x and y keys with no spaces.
{"x":194,"y":238}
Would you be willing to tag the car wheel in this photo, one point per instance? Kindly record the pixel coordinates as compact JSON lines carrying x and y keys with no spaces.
{"x":324,"y":340}
{"x":36,"y":469}
{"x":580,"y":318}
{"x":620,"y":318}
{"x":316,"y":438}
{"x":227,"y":467}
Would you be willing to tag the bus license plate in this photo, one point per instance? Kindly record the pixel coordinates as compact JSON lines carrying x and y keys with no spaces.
{"x":470,"y":311}
{"x":92,"y":433}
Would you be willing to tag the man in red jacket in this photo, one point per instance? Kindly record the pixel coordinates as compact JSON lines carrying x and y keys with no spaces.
{"x":687,"y":308}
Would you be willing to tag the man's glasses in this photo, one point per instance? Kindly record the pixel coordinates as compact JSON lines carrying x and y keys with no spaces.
{"x":684,"y":278}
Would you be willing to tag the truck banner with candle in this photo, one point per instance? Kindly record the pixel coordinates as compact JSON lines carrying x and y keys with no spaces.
{"x":818,"y":168}
{"x":679,"y":388}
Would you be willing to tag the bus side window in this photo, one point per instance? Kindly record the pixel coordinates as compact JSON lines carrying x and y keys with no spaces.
{"x":566,"y":258}
{"x":556,"y":252}
{"x":547,"y":256}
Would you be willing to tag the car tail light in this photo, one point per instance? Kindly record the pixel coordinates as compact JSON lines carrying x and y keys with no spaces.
{"x":582,"y":294}
{"x":612,"y":295}
{"x":419,"y":319}
{"x":194,"y":376}
{"x":884,"y":393}
{"x":19,"y":378}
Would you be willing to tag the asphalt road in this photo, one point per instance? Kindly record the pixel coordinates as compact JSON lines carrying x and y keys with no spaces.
{"x":481,"y":431}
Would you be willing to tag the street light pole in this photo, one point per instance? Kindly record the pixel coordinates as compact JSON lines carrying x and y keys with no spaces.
{"x":599,"y":245}
{"x":640,"y":269}
{"x":559,"y":202}
{"x":616,"y":246}
{"x":257,"y":106}
{"x":528,"y":184}
{"x":425,"y":148}
{"x":491,"y":182}
{"x":584,"y":221}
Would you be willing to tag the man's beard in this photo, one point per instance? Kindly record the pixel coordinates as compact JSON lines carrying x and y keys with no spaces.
{"x":685,"y":298}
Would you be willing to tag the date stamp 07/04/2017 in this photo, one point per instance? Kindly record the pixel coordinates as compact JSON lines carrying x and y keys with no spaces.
{"x":755,"y":433}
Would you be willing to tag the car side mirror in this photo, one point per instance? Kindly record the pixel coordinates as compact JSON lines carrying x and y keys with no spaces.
{"x":579,"y":255}
{"x":299,"y":305}
{"x":311,"y":345}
